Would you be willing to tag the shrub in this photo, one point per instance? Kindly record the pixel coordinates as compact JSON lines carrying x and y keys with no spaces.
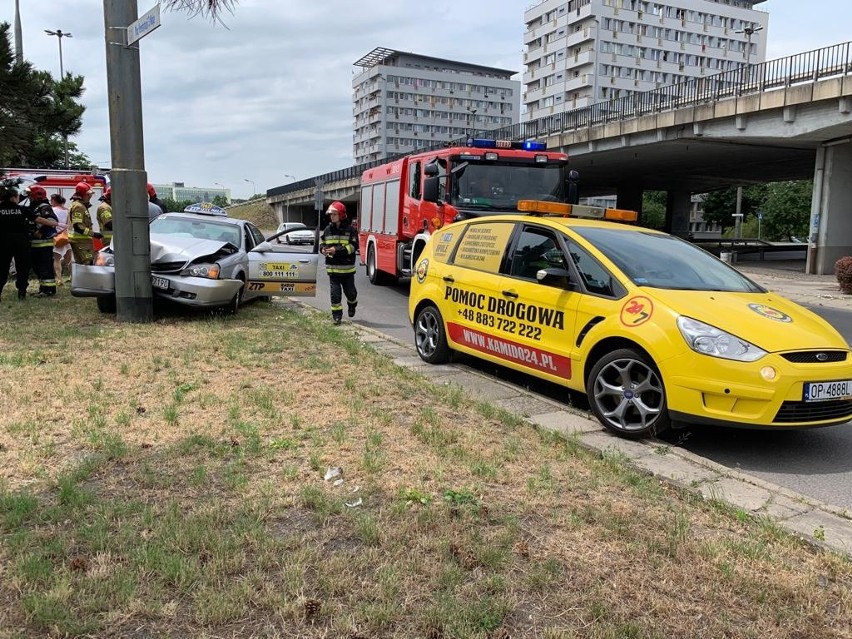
{"x":843,"y":270}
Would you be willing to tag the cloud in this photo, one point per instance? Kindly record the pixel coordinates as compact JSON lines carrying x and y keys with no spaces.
{"x":269,"y":92}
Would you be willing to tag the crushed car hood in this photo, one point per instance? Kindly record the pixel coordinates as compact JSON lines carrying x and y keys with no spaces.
{"x":173,"y":249}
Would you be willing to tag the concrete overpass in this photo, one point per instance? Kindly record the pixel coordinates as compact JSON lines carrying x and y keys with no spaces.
{"x":784,"y":119}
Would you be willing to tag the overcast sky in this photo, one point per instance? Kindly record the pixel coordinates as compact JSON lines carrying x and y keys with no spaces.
{"x":270,"y":93}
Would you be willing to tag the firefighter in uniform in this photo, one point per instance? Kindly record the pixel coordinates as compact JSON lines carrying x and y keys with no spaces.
{"x":15,"y":225}
{"x":338,"y":243}
{"x":80,"y":233}
{"x":41,"y":241}
{"x":104,"y":215}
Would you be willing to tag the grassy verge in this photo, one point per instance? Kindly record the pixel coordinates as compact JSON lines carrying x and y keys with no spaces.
{"x":169,"y":480}
{"x":258,"y":212}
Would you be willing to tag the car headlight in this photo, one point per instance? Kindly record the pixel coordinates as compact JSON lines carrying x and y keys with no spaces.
{"x":709,"y":340}
{"x":210,"y":271}
{"x":104,"y":259}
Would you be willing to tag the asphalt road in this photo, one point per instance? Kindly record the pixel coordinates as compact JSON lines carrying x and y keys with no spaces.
{"x":816,"y":463}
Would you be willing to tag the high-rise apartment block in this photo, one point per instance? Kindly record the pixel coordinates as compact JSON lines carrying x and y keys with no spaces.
{"x":403,"y":102}
{"x":578,"y":52}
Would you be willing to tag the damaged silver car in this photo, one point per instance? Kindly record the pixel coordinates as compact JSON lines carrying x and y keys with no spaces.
{"x":206,"y":260}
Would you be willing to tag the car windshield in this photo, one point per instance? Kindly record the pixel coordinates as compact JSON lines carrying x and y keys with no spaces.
{"x":290,"y":226}
{"x":500,"y":186}
{"x":665,"y":261}
{"x":200,"y":229}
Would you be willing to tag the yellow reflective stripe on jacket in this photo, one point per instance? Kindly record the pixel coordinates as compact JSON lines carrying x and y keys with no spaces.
{"x":340,"y":270}
{"x":73,"y":236}
{"x":41,"y":243}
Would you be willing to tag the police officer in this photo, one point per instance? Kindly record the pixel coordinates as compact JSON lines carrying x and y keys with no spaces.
{"x":338,"y":243}
{"x":104,"y":215}
{"x":80,"y":233}
{"x":15,"y":224}
{"x":41,"y":240}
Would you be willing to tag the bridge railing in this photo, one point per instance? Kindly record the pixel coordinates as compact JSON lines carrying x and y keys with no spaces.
{"x":801,"y":68}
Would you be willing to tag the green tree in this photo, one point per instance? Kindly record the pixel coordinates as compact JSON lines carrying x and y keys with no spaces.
{"x":787,"y":209}
{"x":220,"y":200}
{"x":653,"y":209}
{"x":720,"y":206}
{"x":37,"y":111}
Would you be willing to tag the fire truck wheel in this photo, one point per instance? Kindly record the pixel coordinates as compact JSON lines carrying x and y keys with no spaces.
{"x":430,"y":336}
{"x":377,"y":277}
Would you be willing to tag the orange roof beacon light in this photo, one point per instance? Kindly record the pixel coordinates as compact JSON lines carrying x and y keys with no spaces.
{"x":541,"y":207}
{"x":545,"y":208}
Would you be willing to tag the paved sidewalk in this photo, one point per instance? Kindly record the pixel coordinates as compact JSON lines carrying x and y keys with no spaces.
{"x":789,"y":280}
{"x":821,"y":524}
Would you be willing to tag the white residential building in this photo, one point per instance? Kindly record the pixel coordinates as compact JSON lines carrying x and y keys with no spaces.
{"x":578,"y":52}
{"x":403,"y":102}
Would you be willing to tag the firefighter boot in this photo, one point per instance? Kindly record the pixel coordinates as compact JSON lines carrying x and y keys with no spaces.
{"x":337,"y":318}
{"x":351,"y":308}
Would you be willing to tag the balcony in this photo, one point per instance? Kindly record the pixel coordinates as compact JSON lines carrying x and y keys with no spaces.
{"x":574,"y":84}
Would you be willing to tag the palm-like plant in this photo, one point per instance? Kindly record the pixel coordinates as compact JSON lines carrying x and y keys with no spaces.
{"x":207,"y":8}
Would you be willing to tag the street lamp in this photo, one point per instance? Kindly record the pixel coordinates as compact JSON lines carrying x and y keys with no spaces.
{"x":292,"y":177}
{"x":749,"y":31}
{"x":59,"y":33}
{"x":253,"y":186}
{"x":225,"y":194}
{"x":471,"y":122}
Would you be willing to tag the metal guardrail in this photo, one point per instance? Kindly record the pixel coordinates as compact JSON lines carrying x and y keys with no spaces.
{"x":801,"y":68}
{"x":743,"y":246}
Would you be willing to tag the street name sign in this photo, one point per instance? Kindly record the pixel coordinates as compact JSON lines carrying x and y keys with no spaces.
{"x":144,"y":25}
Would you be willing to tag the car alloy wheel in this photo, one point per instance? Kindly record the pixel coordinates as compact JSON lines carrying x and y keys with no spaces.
{"x":430,"y":338}
{"x":626,"y":394}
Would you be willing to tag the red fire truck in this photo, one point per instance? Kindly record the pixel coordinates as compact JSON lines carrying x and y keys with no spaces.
{"x":63,"y":181}
{"x":404,"y":201}
{"x":59,"y":181}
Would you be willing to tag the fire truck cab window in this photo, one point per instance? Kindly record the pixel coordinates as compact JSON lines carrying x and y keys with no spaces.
{"x":442,"y":179}
{"x":414,"y":181}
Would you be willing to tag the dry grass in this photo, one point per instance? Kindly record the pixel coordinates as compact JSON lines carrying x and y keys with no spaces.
{"x":173,"y":486}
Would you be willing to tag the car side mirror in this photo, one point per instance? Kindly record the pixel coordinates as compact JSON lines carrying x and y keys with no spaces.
{"x":430,"y":189}
{"x":558,"y":277}
{"x":263,"y":246}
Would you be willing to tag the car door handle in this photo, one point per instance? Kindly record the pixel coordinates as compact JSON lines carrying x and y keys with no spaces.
{"x":511,"y":294}
{"x":449,"y":278}
{"x":305,"y":261}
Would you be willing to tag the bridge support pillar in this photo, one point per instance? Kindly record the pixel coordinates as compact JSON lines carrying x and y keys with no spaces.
{"x":678,"y":205}
{"x":630,"y":199}
{"x":830,"y":234}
